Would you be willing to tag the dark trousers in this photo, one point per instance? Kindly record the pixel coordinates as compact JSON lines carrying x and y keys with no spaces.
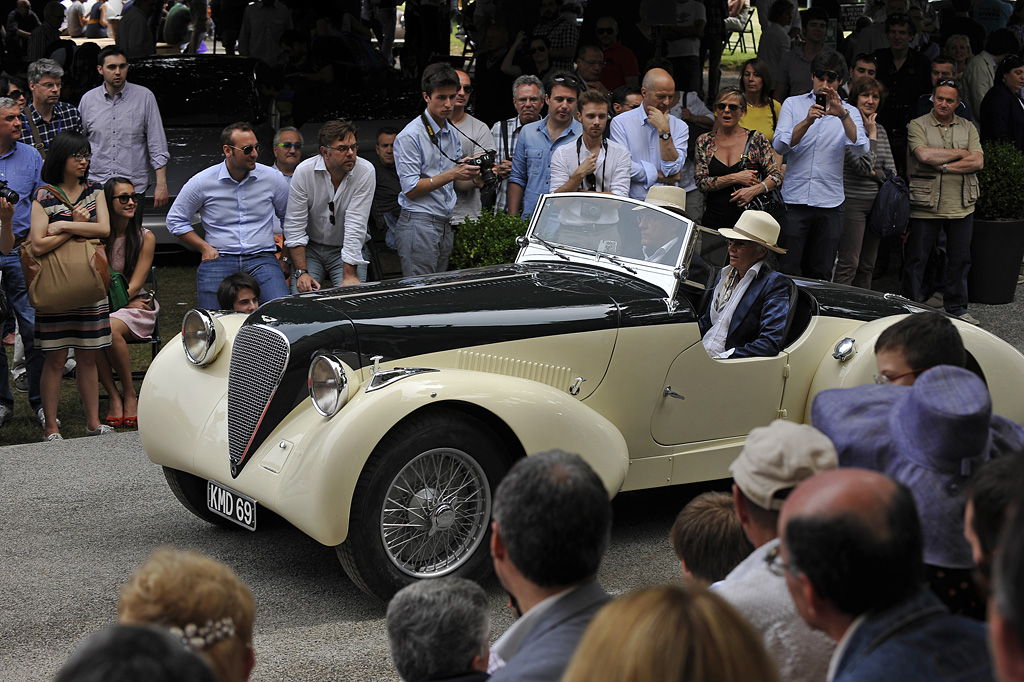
{"x":811,"y":237}
{"x":711,"y":48}
{"x":687,"y":73}
{"x":923,"y":233}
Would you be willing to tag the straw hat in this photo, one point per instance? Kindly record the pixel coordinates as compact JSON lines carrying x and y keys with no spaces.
{"x":668,"y":196}
{"x":755,"y":226}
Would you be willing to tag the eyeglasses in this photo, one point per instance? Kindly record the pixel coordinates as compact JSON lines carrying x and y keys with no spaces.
{"x":247,"y":149}
{"x":330,"y":205}
{"x":722,"y":106}
{"x":776,"y":566}
{"x":590,"y":182}
{"x":289,"y":145}
{"x":826,"y":75}
{"x":345,"y":148}
{"x":605,"y":31}
{"x":527,"y":100}
{"x":570,"y":82}
{"x":51,"y":86}
{"x":882,"y":379}
{"x":16,"y":94}
{"x":81,"y":157}
{"x":593,"y":62}
{"x":468,"y":89}
{"x":947,"y":83}
{"x":125,"y":198}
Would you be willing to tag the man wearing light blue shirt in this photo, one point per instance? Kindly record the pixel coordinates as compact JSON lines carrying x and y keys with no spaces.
{"x":531,"y":160}
{"x":656,"y":140}
{"x":427,"y":156}
{"x":815,"y":138}
{"x":240,"y":202}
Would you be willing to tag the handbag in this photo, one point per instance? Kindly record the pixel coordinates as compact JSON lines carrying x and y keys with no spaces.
{"x":890,"y":213}
{"x":73,"y":275}
{"x":118,"y":293}
{"x":770,"y":202}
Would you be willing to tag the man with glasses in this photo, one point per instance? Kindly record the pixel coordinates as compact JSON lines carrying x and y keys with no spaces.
{"x":906,"y":75}
{"x":328,"y":211}
{"x":429,"y":159}
{"x":287,"y":151}
{"x":815,"y":137}
{"x":794,"y":71}
{"x":914,"y":344}
{"x":124,"y":128}
{"x":473,"y":133}
{"x":528,"y":100}
{"x":620,"y":64}
{"x":774,"y":460}
{"x":240,"y":203}
{"x":589,"y":64}
{"x":656,"y":140}
{"x":46,"y":115}
{"x":531,"y":162}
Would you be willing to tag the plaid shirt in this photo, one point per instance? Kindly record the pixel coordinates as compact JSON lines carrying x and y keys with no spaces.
{"x":561,"y":32}
{"x":513,"y":126}
{"x":65,"y":117}
{"x":717,"y":11}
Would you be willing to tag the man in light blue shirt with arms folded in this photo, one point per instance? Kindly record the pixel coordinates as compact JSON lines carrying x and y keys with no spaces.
{"x":815,"y":137}
{"x":427,"y":155}
{"x":240,"y":201}
{"x":656,"y":140}
{"x":531,"y":160}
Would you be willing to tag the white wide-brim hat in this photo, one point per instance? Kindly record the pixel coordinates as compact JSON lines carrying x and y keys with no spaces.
{"x":755,"y":226}
{"x":668,"y":196}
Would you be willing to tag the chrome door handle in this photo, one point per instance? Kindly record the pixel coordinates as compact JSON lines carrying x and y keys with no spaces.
{"x":669,"y":393}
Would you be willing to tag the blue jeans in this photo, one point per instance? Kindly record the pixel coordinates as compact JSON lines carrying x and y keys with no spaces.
{"x":811,"y":237}
{"x":264,"y":267}
{"x":923,"y":232}
{"x":17,"y":297}
{"x":322,"y":260}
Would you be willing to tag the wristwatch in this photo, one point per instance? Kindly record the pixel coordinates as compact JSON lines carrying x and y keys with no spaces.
{"x":299,"y":273}
{"x":666,"y":136}
{"x":944,"y":167}
{"x":286,"y":260}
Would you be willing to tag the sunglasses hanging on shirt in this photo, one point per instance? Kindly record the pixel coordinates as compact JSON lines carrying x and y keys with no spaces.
{"x":589,"y":183}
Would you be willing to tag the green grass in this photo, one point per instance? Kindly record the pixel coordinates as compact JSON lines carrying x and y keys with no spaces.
{"x":176,"y":292}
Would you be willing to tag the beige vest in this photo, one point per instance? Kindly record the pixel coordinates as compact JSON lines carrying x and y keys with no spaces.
{"x":929,"y":187}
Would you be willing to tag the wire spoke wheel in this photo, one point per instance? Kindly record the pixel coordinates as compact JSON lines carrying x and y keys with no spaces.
{"x":435,"y":513}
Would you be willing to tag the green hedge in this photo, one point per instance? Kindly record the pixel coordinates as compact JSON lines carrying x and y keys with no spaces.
{"x":488,"y":240}
{"x":1000,"y":183}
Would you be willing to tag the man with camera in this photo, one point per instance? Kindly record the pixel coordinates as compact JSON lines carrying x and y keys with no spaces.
{"x":473,"y":133}
{"x":431,"y":166}
{"x":328,"y":210}
{"x":19,"y":179}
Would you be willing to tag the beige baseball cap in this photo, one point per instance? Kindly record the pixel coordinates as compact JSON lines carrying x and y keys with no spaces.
{"x":778,"y":457}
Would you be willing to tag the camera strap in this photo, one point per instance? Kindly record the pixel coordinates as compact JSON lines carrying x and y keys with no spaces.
{"x":604,"y":163}
{"x":470,"y":139}
{"x":504,"y":138}
{"x":433,"y":136}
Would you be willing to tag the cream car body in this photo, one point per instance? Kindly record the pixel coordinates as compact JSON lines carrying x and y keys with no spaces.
{"x":586,"y":348}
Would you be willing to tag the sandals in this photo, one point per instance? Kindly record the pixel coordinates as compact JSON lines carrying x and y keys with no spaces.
{"x":131,"y":422}
{"x":115,"y":422}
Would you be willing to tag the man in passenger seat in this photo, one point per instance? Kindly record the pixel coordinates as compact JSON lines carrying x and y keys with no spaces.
{"x":750,"y":306}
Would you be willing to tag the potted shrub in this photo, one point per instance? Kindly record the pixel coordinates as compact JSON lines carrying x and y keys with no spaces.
{"x":997,"y":246}
{"x":488,"y":240}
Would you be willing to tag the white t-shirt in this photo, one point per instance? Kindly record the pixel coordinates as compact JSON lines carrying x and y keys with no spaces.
{"x":687,"y":14}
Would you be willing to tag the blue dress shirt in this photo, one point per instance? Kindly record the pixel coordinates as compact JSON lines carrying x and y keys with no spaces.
{"x":634,"y":131}
{"x":814,"y":170}
{"x":416,"y":157}
{"x":531,"y":161}
{"x":239,"y":217}
{"x":20,"y":169}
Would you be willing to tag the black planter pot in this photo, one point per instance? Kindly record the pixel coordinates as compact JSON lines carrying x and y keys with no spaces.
{"x":997,"y":248}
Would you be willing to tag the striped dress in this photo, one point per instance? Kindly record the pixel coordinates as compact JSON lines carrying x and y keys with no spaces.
{"x":84,"y":328}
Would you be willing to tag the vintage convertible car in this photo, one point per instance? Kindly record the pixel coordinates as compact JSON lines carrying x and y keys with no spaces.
{"x":379,"y":419}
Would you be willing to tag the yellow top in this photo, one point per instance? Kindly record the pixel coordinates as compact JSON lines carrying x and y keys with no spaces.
{"x":760,"y":119}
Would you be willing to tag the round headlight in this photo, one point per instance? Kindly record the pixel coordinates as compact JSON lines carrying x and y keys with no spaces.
{"x":202,"y":336}
{"x":328,"y":385}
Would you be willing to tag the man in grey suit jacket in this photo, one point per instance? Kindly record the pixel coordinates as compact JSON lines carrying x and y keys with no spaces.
{"x":551,"y":528}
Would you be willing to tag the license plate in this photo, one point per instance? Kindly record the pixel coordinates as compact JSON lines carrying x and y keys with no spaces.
{"x":231,"y":504}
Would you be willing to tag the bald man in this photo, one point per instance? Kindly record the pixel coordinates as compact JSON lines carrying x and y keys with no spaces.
{"x":656,"y":140}
{"x":852,"y":555}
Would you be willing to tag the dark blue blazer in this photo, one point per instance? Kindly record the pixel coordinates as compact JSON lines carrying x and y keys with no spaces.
{"x":759,"y":323}
{"x":1002,"y":117}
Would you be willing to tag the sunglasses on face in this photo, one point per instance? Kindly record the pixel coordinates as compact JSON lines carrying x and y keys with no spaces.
{"x":16,"y":94}
{"x":539,"y":48}
{"x":247,"y":149}
{"x":826,"y":75}
{"x":289,"y":145}
{"x":468,"y":89}
{"x":125,"y":198}
{"x":731,"y":106}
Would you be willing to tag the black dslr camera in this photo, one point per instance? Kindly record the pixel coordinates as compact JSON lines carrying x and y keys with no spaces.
{"x":8,"y":193}
{"x":486,"y":164}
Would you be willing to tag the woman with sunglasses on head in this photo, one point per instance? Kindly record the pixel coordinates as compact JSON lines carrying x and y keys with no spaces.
{"x":130,"y":250}
{"x":734,"y":165}
{"x":862,"y":178}
{"x":67,"y":207}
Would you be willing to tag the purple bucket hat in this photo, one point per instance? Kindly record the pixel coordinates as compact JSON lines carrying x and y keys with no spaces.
{"x":930,"y":436}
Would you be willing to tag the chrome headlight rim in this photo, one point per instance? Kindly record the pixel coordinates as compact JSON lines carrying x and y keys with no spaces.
{"x":327,"y":400}
{"x":206,"y":335}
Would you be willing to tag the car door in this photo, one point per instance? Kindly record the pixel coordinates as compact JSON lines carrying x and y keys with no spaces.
{"x":706,"y":399}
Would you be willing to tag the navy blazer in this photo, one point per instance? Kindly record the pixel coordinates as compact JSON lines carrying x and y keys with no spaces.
{"x":551,"y":642}
{"x":759,"y":323}
{"x":1002,"y":117}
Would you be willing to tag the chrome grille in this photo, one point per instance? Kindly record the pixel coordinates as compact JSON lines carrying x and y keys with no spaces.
{"x":258,"y":360}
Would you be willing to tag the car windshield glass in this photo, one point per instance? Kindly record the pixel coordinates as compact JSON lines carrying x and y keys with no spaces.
{"x":613,"y":226}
